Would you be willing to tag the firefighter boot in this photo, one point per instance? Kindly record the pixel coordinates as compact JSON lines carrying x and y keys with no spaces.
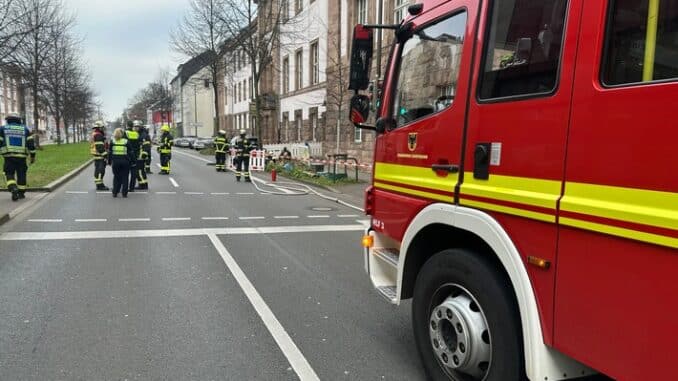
{"x":102,"y":187}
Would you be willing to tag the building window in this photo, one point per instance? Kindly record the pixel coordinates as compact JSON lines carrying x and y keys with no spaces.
{"x":627,"y":59}
{"x":251,"y":87}
{"x":524,"y":54}
{"x":314,"y":126}
{"x":315,"y":64}
{"x":361,"y":12}
{"x":299,"y":6}
{"x":358,"y":135}
{"x":400,"y":10}
{"x":286,"y":126}
{"x":286,"y":75}
{"x":298,"y":67}
{"x":298,"y":123}
{"x":285,"y":9}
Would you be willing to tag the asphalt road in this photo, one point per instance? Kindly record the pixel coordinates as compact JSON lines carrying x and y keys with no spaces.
{"x":200,"y":278}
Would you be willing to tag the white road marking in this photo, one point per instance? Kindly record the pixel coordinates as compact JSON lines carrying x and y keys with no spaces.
{"x":159,"y":166}
{"x":48,"y":220}
{"x":318,"y":216}
{"x":244,"y":193}
{"x":220,"y":194}
{"x":176,"y":185}
{"x":286,"y":217}
{"x":77,"y":192}
{"x":284,"y":341}
{"x":252,"y":218}
{"x":134,"y":220}
{"x":103,"y":192}
{"x":158,"y":233}
{"x":348,"y":216}
{"x":91,"y":220}
{"x":214,"y":218}
{"x":194,"y":193}
{"x":137,"y":192}
{"x":177,"y":219}
{"x":165,"y":192}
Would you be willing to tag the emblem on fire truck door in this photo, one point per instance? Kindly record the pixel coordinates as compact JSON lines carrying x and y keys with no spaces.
{"x":412,"y":141}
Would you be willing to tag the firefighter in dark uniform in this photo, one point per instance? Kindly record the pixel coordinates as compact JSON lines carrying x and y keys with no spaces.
{"x":242,"y":156}
{"x":220,"y":149}
{"x":165,"y":149}
{"x":146,"y":145}
{"x":133,"y":137}
{"x":140,"y":170}
{"x":16,"y":144}
{"x":120,"y":157}
{"x":99,"y":152}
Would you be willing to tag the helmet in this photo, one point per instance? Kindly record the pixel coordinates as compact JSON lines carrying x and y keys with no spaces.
{"x":165,"y":128}
{"x":137,"y":123}
{"x":243,"y":132}
{"x":98,"y":124}
{"x":14,"y":119}
{"x":222,"y":132}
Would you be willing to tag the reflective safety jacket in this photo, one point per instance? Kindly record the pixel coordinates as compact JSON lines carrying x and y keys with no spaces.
{"x":166,"y":143}
{"x":134,"y":142}
{"x":145,"y":144}
{"x":220,"y":144}
{"x":97,"y":147}
{"x":16,"y":141}
{"x":242,"y":147}
{"x":120,"y":149}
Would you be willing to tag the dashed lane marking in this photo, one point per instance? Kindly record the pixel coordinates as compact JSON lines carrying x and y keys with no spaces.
{"x":286,"y":217}
{"x":297,"y":360}
{"x":174,"y":182}
{"x":91,"y":220}
{"x":251,"y":218}
{"x":348,"y":216}
{"x":214,"y":218}
{"x":134,"y":220}
{"x":76,"y":192}
{"x":160,"y":233}
{"x":194,"y":193}
{"x":319,"y":216}
{"x":244,"y":193}
{"x":165,"y":192}
{"x":46,"y":220}
{"x":177,"y":219}
{"x":219,"y":193}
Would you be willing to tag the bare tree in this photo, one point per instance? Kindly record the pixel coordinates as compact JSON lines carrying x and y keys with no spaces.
{"x":156,"y":95}
{"x":200,"y":35}
{"x":13,"y":29}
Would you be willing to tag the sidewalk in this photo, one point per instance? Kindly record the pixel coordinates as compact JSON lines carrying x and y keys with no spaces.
{"x":9,"y":208}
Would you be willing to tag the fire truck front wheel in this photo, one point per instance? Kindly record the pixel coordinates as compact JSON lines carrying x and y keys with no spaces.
{"x":465,"y":318}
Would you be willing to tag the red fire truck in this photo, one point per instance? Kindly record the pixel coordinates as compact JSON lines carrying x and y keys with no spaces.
{"x":525,"y":186}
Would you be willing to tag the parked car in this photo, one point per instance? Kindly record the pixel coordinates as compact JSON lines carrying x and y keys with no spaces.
{"x":182,"y":142}
{"x":201,"y":143}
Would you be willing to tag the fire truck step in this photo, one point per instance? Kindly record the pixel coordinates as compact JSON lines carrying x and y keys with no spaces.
{"x":390,"y":256}
{"x":388,"y":292}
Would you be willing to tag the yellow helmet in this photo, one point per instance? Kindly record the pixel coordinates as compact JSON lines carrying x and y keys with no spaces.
{"x":165,"y":128}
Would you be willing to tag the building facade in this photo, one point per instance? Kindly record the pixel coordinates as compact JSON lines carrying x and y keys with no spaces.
{"x":193,"y":94}
{"x":10,"y":93}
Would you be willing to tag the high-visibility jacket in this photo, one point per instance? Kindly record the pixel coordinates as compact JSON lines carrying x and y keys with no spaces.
{"x":135,"y":144}
{"x":220,"y":144}
{"x":242,"y":147}
{"x":16,"y":141}
{"x":166,"y":143}
{"x":145,"y":144}
{"x":119,"y":147}
{"x":97,"y":146}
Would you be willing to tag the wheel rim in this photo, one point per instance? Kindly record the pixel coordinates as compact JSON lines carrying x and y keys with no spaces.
{"x":459,"y":335}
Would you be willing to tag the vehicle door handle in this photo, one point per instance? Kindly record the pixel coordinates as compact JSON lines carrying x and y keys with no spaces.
{"x":451,"y":168}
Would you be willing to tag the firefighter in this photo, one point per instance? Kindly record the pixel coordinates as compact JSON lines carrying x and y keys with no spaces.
{"x":133,"y":137}
{"x":120,"y":157}
{"x":140,"y":169}
{"x":146,"y":145}
{"x":16,"y":143}
{"x":220,"y":148}
{"x":165,"y":149}
{"x":242,"y":156}
{"x":99,"y":152}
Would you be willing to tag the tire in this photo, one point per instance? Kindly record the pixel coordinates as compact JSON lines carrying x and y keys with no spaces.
{"x":459,"y":283}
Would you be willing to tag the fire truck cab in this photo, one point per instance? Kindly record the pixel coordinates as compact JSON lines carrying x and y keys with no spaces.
{"x":525,"y":185}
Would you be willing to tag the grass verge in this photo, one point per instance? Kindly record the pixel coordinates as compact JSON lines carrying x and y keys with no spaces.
{"x":54,"y":161}
{"x":301,"y":171}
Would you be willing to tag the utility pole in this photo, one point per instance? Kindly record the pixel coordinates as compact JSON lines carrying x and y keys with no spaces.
{"x":195,"y":107}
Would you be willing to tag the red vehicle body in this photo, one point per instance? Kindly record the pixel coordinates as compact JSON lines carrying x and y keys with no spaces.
{"x":560,"y":173}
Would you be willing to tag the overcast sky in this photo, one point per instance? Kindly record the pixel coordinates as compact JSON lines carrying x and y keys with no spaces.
{"x":126,"y":43}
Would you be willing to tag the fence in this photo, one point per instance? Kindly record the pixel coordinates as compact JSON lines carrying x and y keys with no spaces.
{"x":299,"y":151}
{"x":257,"y":160}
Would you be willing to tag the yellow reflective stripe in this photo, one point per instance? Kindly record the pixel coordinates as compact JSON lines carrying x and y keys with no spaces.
{"x":639,"y":206}
{"x":522,"y":190}
{"x":509,"y":210}
{"x":621,"y":232}
{"x":415,"y":176}
{"x":413,"y":192}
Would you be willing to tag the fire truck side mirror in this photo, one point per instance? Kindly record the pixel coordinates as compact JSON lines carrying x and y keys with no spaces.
{"x":361,"y":58}
{"x":360,"y":109}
